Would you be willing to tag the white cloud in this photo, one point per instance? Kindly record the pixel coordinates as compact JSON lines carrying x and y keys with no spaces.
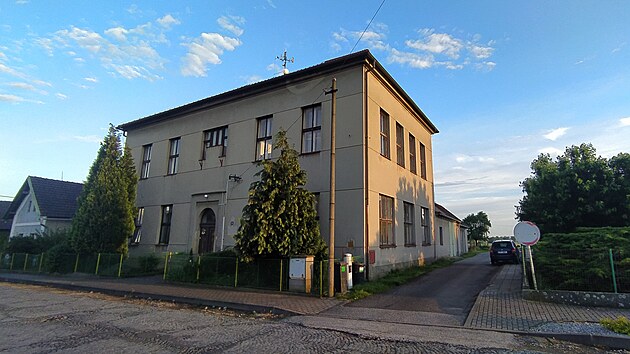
{"x":231,"y":24}
{"x":438,"y":43}
{"x":554,"y":134}
{"x":624,"y":121}
{"x":618,"y":48}
{"x":252,"y":79}
{"x":87,"y":138}
{"x":270,"y":3}
{"x":11,"y":98}
{"x":117,"y":33}
{"x":373,"y":39}
{"x":21,"y":85}
{"x":205,"y":50}
{"x":91,"y":79}
{"x":551,"y":151}
{"x":61,"y":96}
{"x":480,"y":52}
{"x":413,"y":60}
{"x":168,"y":21}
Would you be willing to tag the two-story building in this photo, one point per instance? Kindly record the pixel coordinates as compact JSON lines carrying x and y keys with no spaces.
{"x":194,"y":184}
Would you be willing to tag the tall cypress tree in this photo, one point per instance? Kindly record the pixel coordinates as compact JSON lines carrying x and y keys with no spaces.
{"x":279,"y":219}
{"x":105,"y":214}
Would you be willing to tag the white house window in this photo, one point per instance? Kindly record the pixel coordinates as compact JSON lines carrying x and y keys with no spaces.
{"x":215,"y":137}
{"x":424,"y":222}
{"x":264,"y":144}
{"x":386,"y":221}
{"x":165,"y":226}
{"x":137,"y":233}
{"x":410,"y":233}
{"x":146,"y":161}
{"x":384,"y":134}
{"x":312,"y":129}
{"x":173,"y":156}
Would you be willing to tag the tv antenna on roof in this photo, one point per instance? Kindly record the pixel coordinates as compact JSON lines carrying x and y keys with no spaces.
{"x":284,"y":61}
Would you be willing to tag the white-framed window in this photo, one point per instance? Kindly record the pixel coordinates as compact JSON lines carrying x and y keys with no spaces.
{"x":410,"y":232}
{"x":312,"y":129}
{"x":426,"y":227}
{"x":384,"y":134}
{"x":386,"y":221}
{"x":137,"y":233}
{"x":400,"y":145}
{"x":213,"y":138}
{"x":264,"y":138}
{"x":173,"y":156}
{"x":146,"y":161}
{"x":165,"y":225}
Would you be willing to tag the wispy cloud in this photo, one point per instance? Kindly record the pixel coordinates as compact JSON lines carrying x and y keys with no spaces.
{"x":91,"y":79}
{"x":624,"y":122}
{"x":430,"y":49}
{"x":551,"y":151}
{"x":231,"y":24}
{"x":206,"y":50}
{"x":554,"y":134}
{"x":61,"y":96}
{"x":619,"y":48}
{"x":11,"y":98}
{"x":168,"y":21}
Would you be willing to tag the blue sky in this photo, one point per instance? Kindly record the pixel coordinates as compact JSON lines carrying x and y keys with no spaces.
{"x":502,"y":80}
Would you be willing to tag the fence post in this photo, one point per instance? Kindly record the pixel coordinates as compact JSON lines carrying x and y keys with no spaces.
{"x":198,"y":266}
{"x":41,"y":261}
{"x":321,"y":278}
{"x":166,"y":259}
{"x":12,"y":258}
{"x":25,"y":262}
{"x":76,"y":263}
{"x":281,"y":274}
{"x":612,"y":269}
{"x":98,"y":262}
{"x":120,"y":265}
{"x":236,"y":274}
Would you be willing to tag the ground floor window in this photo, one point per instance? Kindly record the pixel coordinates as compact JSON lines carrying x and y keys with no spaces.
{"x":386,"y":221}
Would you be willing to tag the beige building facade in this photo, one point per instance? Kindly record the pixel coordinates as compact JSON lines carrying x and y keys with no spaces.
{"x":196,"y":163}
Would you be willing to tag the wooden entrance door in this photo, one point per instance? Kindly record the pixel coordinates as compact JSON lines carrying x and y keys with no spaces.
{"x":206,"y":231}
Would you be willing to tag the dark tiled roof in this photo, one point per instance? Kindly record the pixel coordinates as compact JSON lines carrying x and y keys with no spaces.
{"x":5,"y":224}
{"x":444,"y":213}
{"x":56,"y":199}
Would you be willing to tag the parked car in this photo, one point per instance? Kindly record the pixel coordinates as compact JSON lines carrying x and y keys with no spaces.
{"x":504,"y":251}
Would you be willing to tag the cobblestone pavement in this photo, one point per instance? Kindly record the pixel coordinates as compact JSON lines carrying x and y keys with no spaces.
{"x":501,"y":306}
{"x":44,"y":320}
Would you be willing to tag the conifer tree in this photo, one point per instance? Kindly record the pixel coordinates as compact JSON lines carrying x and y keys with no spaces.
{"x":105,"y":214}
{"x":279,"y":219}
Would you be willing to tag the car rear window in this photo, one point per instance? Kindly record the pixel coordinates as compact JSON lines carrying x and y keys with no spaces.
{"x":502,"y":245}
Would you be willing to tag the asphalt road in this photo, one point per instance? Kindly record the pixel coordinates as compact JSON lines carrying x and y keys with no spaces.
{"x":450,"y":291}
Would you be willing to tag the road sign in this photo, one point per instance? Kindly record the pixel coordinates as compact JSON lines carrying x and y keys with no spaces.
{"x":527,"y":233}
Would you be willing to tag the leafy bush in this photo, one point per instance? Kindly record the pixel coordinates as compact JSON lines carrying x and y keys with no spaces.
{"x":36,"y":244}
{"x":149,"y":263}
{"x":619,"y":325}
{"x":60,"y":259}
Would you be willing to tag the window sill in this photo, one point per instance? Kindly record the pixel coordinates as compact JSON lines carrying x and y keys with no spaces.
{"x":310,"y":153}
{"x":387,"y":246}
{"x":425,"y":244}
{"x":410,"y":245}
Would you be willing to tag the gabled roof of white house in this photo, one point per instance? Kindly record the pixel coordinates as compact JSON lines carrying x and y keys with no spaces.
{"x":327,"y":67}
{"x":55,"y":199}
{"x":442,"y":212}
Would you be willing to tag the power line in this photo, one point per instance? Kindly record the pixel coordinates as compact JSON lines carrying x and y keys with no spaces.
{"x":368,"y":26}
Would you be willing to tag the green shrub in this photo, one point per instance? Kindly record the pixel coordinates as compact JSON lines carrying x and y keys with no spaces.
{"x":619,"y":325}
{"x":149,"y":263}
{"x":60,"y":259}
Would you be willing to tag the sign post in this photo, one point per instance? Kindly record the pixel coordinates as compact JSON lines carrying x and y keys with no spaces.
{"x":527,"y":233}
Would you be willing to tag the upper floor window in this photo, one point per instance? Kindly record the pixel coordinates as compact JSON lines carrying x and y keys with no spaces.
{"x":412,"y":153}
{"x":312,"y":129}
{"x":165,"y":225}
{"x":423,"y":161}
{"x":146,"y":161}
{"x":400,"y":145}
{"x":215,"y":137}
{"x":137,"y":233}
{"x":384,"y":134}
{"x":386,"y":221}
{"x":173,"y":156}
{"x":264,"y":144}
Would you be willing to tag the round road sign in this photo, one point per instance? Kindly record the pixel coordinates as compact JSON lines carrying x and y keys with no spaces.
{"x":527,"y":233}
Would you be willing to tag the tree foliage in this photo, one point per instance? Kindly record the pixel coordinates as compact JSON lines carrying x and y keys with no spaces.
{"x":106,"y":211}
{"x":578,"y":189}
{"x":478,"y":226}
{"x":279,"y":219}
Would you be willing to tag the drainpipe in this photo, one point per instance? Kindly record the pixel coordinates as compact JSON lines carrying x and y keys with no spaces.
{"x":366,"y":237}
{"x":234,"y":178}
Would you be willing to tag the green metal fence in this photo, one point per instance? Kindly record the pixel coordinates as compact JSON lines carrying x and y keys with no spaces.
{"x":597,"y":270}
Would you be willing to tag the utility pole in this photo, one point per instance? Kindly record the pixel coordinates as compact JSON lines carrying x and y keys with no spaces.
{"x":331,"y":206}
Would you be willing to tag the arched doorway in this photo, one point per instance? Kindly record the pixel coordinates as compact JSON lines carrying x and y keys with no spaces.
{"x":206,"y":231}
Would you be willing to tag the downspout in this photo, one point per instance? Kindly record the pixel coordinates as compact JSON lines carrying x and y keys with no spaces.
{"x":227,"y":186}
{"x":366,"y":240}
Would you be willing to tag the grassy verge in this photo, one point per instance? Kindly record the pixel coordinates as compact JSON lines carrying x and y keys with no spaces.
{"x":401,"y":276}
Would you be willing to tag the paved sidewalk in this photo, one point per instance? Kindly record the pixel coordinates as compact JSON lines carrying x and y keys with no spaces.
{"x":501,"y":306}
{"x":155,"y":288}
